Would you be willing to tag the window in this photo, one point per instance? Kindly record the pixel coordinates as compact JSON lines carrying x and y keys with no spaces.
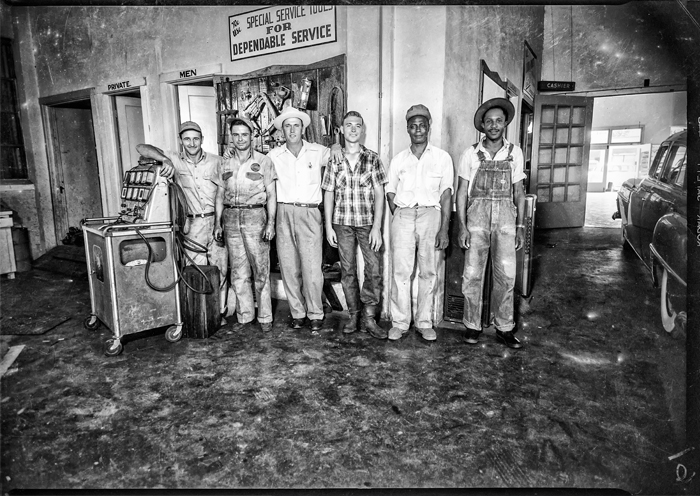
{"x":13,"y":162}
{"x":599,"y":136}
{"x":675,"y":170}
{"x":631,"y":135}
{"x":659,"y":158}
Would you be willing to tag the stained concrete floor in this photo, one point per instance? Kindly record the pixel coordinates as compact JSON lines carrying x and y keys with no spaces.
{"x":595,"y":398}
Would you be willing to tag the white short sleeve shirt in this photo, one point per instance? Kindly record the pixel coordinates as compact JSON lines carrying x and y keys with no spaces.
{"x":299,"y":178}
{"x":469,"y":161}
{"x":420,"y":182}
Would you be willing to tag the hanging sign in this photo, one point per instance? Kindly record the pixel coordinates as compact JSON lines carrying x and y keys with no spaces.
{"x":556,"y":85}
{"x":279,"y":29}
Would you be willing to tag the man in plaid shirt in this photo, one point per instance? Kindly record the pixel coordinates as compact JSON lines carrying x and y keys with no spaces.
{"x":354,"y":206}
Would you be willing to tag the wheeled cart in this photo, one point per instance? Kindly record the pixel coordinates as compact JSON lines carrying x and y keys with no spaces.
{"x":128,"y":294}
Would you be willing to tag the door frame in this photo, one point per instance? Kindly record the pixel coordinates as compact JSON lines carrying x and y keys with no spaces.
{"x":107,"y":141}
{"x":58,"y":206}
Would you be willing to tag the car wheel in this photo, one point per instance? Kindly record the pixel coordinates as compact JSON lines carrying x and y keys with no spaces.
{"x":673,"y":322}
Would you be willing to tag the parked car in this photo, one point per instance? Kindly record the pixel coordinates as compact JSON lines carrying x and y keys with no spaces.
{"x":654,"y":224}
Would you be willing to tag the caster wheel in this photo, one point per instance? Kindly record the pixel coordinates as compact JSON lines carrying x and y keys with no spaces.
{"x":113,"y":347}
{"x":92,"y":323}
{"x":174,"y":333}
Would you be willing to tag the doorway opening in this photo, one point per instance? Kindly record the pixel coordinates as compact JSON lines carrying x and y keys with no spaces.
{"x":626,"y":132}
{"x":73,"y":168}
{"x":197,"y":102}
{"x":126,"y":108}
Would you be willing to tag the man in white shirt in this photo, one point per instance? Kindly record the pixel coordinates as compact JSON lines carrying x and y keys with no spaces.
{"x":490,"y":209}
{"x":419,"y":193}
{"x":299,"y":166}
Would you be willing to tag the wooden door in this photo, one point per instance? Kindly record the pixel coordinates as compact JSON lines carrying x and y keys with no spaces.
{"x":198,"y":104}
{"x":76,"y":178}
{"x":130,"y":125}
{"x":561,"y":144}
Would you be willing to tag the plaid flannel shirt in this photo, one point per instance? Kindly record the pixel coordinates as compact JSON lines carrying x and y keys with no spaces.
{"x":354,"y":188}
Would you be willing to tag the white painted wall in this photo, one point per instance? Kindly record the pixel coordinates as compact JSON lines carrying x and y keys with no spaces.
{"x":657,"y":112}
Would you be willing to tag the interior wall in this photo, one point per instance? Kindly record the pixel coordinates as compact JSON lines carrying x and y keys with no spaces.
{"x":657,"y":112}
{"x":497,"y":35}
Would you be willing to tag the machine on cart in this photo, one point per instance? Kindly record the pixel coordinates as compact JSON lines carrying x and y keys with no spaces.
{"x":132,"y":261}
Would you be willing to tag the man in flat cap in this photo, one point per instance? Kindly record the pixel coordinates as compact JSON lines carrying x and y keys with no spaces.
{"x":196,"y":171}
{"x":248,"y":206}
{"x":419,"y":193}
{"x":490,"y":209}
{"x":299,"y":167}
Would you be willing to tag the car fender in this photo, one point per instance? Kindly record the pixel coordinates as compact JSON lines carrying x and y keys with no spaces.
{"x":669,"y":247}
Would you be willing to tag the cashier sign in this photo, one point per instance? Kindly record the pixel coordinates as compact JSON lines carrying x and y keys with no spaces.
{"x":278,"y":29}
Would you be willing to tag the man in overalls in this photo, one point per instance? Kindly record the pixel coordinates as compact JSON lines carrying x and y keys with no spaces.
{"x":248,"y":206}
{"x":490,"y":179}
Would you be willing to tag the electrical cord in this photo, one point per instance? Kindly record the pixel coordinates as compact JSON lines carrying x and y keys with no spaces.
{"x":178,"y":213}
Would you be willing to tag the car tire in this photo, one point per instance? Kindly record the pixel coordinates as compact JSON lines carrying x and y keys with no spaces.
{"x":673,"y":322}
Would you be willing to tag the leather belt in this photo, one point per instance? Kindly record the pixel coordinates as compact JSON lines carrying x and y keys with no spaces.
{"x":254,"y":205}
{"x":297,"y":204}
{"x":208,"y":214}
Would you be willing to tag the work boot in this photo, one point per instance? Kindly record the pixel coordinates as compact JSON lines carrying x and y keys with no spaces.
{"x":351,"y":325}
{"x":370,"y":325}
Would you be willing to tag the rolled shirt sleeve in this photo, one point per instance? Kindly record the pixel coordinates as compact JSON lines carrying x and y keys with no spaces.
{"x":378,"y":173}
{"x":393,"y":179}
{"x":448,"y":174}
{"x":328,"y":182}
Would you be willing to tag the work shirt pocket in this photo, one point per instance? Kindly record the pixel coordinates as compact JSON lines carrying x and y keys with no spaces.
{"x":433,"y":181}
{"x":186,"y":180}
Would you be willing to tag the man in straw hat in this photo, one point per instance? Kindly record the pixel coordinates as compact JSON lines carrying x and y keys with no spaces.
{"x":248,"y":206}
{"x":419,"y":193}
{"x":490,"y":209}
{"x":299,"y":166}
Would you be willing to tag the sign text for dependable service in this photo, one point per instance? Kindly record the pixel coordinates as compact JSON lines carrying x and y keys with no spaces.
{"x":277,"y":29}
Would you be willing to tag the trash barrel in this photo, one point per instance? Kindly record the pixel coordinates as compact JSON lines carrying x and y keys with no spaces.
{"x":200,"y":301}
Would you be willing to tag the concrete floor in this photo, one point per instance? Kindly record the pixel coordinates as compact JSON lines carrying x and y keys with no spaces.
{"x":595,"y":399}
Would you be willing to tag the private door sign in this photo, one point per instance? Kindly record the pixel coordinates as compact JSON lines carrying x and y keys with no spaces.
{"x":279,"y":29}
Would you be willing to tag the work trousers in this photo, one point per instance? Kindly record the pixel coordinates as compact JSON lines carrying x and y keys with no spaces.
{"x":348,"y":239}
{"x":414,"y":230}
{"x":491,"y":217}
{"x":201,"y":230}
{"x":249,"y":259}
{"x":299,"y":249}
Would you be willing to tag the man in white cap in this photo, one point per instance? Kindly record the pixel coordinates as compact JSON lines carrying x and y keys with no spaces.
{"x":197,"y":173}
{"x":490,"y":209}
{"x":248,"y":207}
{"x":299,"y":166}
{"x":419,"y":193}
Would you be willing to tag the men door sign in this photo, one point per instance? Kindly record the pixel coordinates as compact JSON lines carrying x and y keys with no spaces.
{"x":279,"y":29}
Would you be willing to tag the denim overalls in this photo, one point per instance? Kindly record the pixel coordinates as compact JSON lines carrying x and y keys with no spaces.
{"x":491,"y":217}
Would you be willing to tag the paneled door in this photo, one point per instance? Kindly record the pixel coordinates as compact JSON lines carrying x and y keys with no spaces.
{"x":561,"y":145}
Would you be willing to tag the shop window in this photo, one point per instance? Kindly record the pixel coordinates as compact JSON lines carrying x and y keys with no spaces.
{"x":628,"y":135}
{"x":600,"y":136}
{"x":13,"y":162}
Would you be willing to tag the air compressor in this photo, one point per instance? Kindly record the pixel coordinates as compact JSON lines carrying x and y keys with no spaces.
{"x":133,"y":260}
